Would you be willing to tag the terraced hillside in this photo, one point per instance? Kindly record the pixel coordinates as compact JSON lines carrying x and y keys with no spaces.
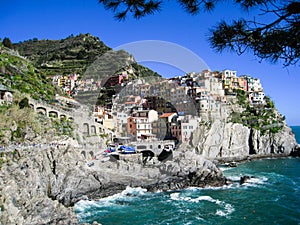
{"x":19,"y":74}
{"x":75,"y":54}
{"x":70,"y":55}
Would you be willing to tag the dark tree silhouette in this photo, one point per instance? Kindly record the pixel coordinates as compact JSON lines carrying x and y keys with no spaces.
{"x":136,"y":7}
{"x":7,"y":43}
{"x":276,"y":40}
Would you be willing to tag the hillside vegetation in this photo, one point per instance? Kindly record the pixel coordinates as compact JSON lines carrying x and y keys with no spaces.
{"x":16,"y":72}
{"x":74,"y":54}
{"x":260,"y":117}
{"x":70,"y":55}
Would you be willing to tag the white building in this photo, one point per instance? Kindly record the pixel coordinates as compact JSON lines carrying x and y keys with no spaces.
{"x":254,"y":84}
{"x":257,"y":97}
{"x":122,"y":117}
{"x":188,"y":126}
{"x":257,"y":86}
{"x":228,"y":74}
{"x":213,"y":85}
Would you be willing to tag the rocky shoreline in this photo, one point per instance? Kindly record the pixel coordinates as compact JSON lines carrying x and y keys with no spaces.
{"x":42,"y":186}
{"x":250,"y":158}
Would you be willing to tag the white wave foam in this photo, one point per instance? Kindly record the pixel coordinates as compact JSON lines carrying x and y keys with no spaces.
{"x":134,"y":191}
{"x":193,"y":189}
{"x":234,"y":178}
{"x":228,"y":208}
{"x":126,"y":194}
{"x":82,"y":205}
{"x":175,"y":196}
{"x":255,"y":181}
{"x":225,"y":168}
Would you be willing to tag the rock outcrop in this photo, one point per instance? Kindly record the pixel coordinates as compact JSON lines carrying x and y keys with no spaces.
{"x":30,"y":184}
{"x":232,"y":141}
{"x":41,"y":186}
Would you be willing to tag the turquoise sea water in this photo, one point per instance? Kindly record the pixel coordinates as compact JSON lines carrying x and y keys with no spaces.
{"x":296,"y":130}
{"x":272,"y":196}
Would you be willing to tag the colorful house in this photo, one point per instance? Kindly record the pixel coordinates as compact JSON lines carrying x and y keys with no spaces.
{"x":140,"y":122}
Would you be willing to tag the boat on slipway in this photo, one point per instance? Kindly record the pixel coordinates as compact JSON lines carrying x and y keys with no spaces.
{"x":138,"y":151}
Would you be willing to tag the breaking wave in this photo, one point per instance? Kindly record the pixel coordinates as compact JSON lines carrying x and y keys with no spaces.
{"x":273,"y":188}
{"x":227,"y":208}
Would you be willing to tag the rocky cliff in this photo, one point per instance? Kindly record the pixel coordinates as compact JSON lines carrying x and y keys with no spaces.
{"x":41,"y":186}
{"x":223,"y":140}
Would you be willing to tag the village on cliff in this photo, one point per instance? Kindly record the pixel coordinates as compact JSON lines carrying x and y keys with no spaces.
{"x":163,"y":109}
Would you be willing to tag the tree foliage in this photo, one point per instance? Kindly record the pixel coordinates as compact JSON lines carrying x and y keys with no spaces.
{"x":138,"y":8}
{"x":7,"y":43}
{"x":276,"y":40}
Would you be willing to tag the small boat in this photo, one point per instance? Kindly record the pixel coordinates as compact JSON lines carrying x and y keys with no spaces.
{"x":127,"y":149}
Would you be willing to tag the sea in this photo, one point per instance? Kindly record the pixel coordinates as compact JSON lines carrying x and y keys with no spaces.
{"x":270,"y":196}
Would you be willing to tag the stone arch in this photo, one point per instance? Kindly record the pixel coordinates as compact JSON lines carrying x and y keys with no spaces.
{"x":53,"y":114}
{"x":148,"y":153}
{"x":91,"y":154}
{"x":83,"y":154}
{"x":93,"y":129}
{"x":71,"y":119}
{"x":101,"y":130}
{"x":86,"y":129}
{"x":41,"y":110}
{"x":63,"y":117}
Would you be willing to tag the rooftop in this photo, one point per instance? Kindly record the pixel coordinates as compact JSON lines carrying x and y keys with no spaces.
{"x":166,"y":115}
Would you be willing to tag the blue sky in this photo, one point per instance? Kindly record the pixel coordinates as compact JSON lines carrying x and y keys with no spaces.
{"x":55,"y":19}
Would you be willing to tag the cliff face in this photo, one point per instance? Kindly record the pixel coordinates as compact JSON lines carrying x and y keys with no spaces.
{"x":232,"y":141}
{"x":25,"y":185}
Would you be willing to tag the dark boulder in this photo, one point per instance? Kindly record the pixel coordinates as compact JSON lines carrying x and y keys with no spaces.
{"x":244,"y":179}
{"x":296,"y":151}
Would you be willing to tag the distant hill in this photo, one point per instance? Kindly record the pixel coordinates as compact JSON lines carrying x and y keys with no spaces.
{"x":70,"y":55}
{"x":73,"y":54}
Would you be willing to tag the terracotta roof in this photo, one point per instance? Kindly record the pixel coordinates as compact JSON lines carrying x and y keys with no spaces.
{"x":166,"y":115}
